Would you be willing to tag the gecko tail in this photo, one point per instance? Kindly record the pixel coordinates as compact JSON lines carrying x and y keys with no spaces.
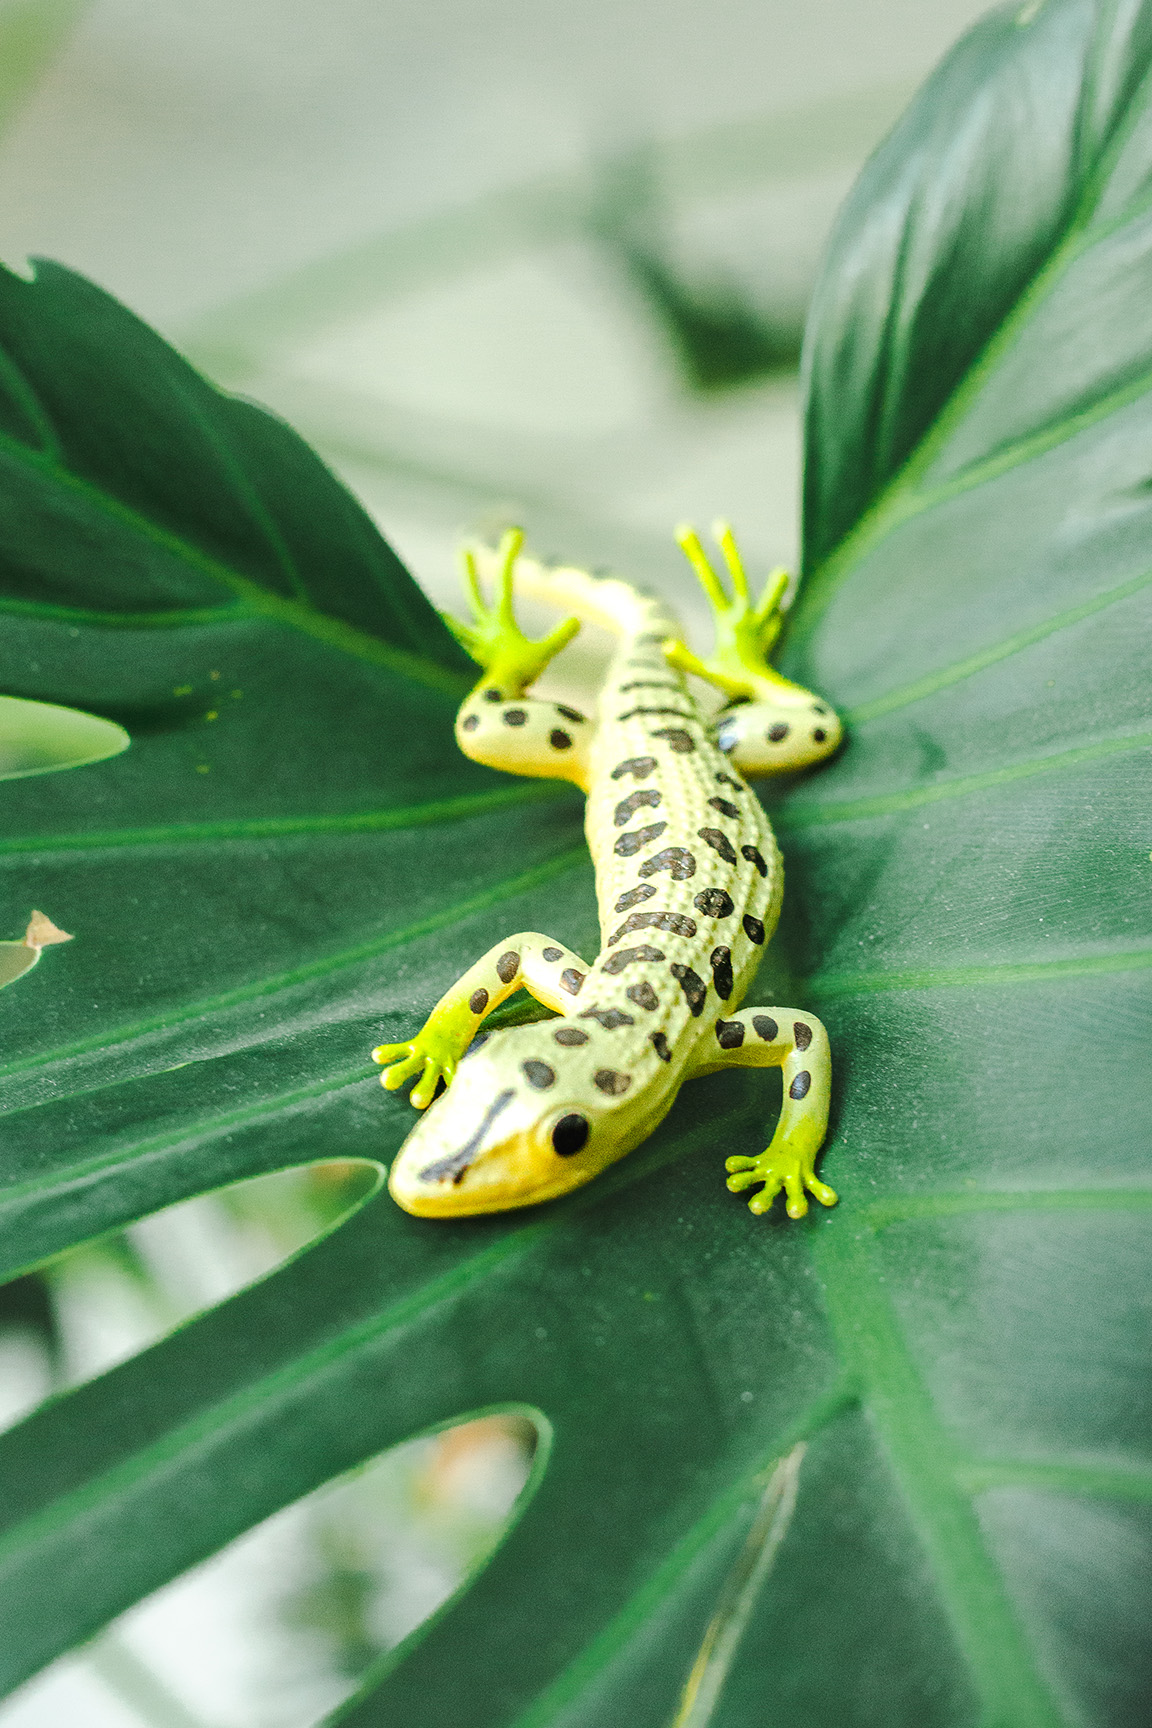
{"x":608,"y":601}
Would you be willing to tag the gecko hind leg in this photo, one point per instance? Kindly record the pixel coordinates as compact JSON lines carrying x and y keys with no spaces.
{"x":546,"y":969}
{"x":511,"y":661}
{"x":498,"y":724}
{"x":796,"y":1042}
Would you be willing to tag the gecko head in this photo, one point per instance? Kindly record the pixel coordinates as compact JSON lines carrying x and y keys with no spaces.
{"x":780,"y":733}
{"x":510,"y":1131}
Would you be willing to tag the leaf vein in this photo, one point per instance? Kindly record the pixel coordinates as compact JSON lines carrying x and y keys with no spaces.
{"x":817,"y":815}
{"x":263,"y":988}
{"x":960,"y":977}
{"x":1002,"y":650}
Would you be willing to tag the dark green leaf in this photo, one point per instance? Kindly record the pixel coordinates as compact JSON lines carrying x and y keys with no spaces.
{"x":963,"y":1343}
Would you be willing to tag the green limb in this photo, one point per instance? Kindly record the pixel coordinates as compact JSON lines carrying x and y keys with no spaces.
{"x":796,"y":1042}
{"x":745,"y":631}
{"x":510,"y":660}
{"x":783,"y":1169}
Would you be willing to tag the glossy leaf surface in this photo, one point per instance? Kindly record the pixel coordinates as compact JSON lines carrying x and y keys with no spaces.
{"x":963,"y":1342}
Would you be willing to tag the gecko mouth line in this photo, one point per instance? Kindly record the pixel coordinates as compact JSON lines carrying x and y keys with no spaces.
{"x":457,"y":1162}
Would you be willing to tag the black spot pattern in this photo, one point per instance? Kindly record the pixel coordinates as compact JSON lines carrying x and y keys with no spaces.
{"x":729,"y":1034}
{"x":766,"y":1028}
{"x":629,"y":844}
{"x":478,"y":1001}
{"x":819,"y":734}
{"x":634,"y":896}
{"x":727,"y":780}
{"x":819,"y":708}
{"x":609,"y":1018}
{"x":616,"y":963}
{"x":571,"y":980}
{"x":643,"y":995}
{"x":802,"y":1034}
{"x":660,"y":1045}
{"x":693,"y":986}
{"x":610,"y":1080}
{"x":675,"y":859}
{"x":552,"y":953}
{"x":492,"y":695}
{"x":676,"y":923}
{"x":721,"y":964}
{"x":777,"y":733}
{"x":714,"y":903}
{"x":682,"y":742}
{"x":633,"y":712}
{"x":753,"y":929}
{"x":638,"y":766}
{"x":507,"y":966}
{"x":799,"y":1086}
{"x":570,"y":1035}
{"x":559,"y":740}
{"x":515,"y":716}
{"x":639,"y":800}
{"x":650,"y":684}
{"x":538,"y":1074}
{"x":469,"y":722}
{"x":754,"y":856}
{"x":725,"y":806}
{"x":719,"y":842}
{"x":572,"y":714}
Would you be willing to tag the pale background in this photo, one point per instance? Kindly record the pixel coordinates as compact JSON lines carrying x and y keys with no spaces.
{"x":386,"y":222}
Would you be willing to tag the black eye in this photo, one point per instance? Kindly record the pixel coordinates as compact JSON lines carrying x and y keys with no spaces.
{"x":570,"y":1134}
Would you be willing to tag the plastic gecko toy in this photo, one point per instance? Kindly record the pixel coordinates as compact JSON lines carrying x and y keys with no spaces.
{"x":689,"y":884}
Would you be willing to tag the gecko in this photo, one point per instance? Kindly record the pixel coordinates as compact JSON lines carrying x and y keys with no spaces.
{"x":689,"y":884}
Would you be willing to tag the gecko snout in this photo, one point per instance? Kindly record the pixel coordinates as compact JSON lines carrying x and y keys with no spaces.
{"x":491,"y":1142}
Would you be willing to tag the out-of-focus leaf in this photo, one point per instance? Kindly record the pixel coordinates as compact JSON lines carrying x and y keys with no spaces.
{"x":32,"y":33}
{"x":718,"y":337}
{"x":963,"y":1342}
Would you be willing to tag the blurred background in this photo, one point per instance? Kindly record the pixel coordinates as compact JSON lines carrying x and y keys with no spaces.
{"x":497,"y":261}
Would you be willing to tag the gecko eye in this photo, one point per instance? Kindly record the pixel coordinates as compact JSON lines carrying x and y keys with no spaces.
{"x":569,"y":1135}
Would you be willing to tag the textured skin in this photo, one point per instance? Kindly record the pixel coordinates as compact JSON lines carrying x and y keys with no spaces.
{"x":689,"y":884}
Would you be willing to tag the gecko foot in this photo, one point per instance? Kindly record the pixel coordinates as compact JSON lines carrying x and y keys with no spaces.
{"x":511,"y":660}
{"x":778,"y":1169}
{"x":424,"y":1056}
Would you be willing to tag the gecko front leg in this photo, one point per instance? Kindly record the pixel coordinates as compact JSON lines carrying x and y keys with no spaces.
{"x":546,"y":969}
{"x":796,"y":1042}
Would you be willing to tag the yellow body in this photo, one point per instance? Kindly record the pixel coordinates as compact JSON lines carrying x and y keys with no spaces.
{"x":689,"y":884}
